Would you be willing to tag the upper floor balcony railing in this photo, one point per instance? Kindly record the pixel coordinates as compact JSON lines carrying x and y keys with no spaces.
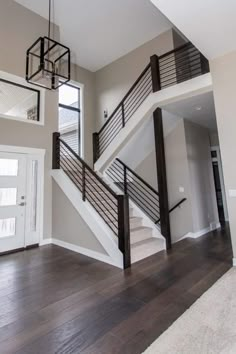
{"x":178,"y":65}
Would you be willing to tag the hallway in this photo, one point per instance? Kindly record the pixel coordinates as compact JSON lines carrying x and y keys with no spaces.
{"x":56,"y":301}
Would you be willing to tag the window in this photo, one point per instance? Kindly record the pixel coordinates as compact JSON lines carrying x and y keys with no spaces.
{"x":69,"y":116}
{"x":18,"y":101}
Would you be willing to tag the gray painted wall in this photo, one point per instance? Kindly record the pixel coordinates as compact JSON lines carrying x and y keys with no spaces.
{"x":115,"y":79}
{"x":68,"y":226}
{"x":203,"y":196}
{"x":188,"y":165}
{"x":19,"y":28}
{"x":178,"y":176}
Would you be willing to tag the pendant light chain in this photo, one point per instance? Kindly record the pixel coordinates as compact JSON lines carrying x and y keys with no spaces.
{"x":48,"y":62}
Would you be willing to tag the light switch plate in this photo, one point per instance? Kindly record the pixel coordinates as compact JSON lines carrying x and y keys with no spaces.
{"x":181,"y":189}
{"x":232,"y":193}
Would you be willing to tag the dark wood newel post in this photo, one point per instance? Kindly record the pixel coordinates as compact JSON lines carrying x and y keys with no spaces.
{"x":95,"y":147}
{"x":56,"y":151}
{"x":161,"y":176}
{"x":155,"y":70}
{"x":205,"y":68}
{"x":124,"y":229}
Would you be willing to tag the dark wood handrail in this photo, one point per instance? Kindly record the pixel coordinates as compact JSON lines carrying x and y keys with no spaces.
{"x":89,"y":168}
{"x":124,"y":98}
{"x":183,"y":46}
{"x":174,"y":207}
{"x":137,"y":176}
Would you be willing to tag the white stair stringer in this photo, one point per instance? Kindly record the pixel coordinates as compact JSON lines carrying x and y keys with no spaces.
{"x":189,"y":88}
{"x":145,"y":237}
{"x":97,"y":225}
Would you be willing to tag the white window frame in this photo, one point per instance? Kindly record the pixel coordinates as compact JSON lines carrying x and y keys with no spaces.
{"x":39,"y":155}
{"x":19,"y":80}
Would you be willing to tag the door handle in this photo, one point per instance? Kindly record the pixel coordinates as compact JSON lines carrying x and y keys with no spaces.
{"x":22,"y":204}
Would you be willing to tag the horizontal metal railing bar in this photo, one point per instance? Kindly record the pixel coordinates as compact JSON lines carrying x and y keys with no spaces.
{"x":136,"y":99}
{"x":114,"y":124}
{"x":148,"y":212}
{"x":153,"y":215}
{"x":133,"y":94}
{"x":108,"y":201}
{"x":188,"y":63}
{"x":154,"y":203}
{"x":72,"y":160}
{"x":133,"y":190}
{"x":144,"y":188}
{"x":69,"y":166}
{"x":74,"y":181}
{"x":100,"y":200}
{"x":178,"y":62}
{"x":175,"y":50}
{"x":127,"y":94}
{"x":145,"y":81}
{"x":72,"y":176}
{"x":98,"y":203}
{"x":142,"y":200}
{"x":114,"y":119}
{"x":133,"y":105}
{"x":111,"y":137}
{"x":187,"y":75}
{"x":89,"y":169}
{"x":98,"y":209}
{"x":140,"y":178}
{"x":189,"y":66}
{"x":142,"y":99}
{"x":175,"y":57}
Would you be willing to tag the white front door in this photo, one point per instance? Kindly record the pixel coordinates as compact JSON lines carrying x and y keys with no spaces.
{"x":12,"y":201}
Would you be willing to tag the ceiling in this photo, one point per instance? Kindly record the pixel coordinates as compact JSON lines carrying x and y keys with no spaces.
{"x":99,"y":32}
{"x":198,"y":109}
{"x":209,"y":24}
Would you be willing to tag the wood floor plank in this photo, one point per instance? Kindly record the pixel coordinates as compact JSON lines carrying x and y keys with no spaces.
{"x":56,"y":301}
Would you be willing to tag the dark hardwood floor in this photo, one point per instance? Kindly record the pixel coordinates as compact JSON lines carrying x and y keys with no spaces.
{"x":56,"y":301}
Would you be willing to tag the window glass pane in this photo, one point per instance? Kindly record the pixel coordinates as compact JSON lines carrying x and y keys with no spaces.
{"x":8,"y":196}
{"x":33,"y":194}
{"x":8,"y":167}
{"x":7,"y":227}
{"x":69,"y":96}
{"x":18,"y":101}
{"x":69,"y":128}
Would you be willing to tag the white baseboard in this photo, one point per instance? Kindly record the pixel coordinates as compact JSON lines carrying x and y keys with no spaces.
{"x":86,"y":252}
{"x":212,"y":227}
{"x":46,"y":241}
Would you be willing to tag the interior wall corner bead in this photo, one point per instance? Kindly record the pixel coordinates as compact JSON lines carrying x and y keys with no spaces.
{"x":48,"y":61}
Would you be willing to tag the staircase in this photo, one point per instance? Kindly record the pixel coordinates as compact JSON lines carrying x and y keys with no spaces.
{"x":129,"y":218}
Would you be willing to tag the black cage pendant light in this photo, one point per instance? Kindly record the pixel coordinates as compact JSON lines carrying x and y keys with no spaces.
{"x":48,"y":62}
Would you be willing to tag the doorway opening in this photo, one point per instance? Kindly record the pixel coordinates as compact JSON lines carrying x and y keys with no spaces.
{"x":219,"y":185}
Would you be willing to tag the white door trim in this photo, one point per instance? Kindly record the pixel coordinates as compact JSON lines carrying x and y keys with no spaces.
{"x":32,"y":154}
